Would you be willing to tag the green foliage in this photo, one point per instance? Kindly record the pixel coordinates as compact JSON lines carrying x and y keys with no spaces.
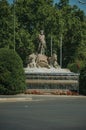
{"x":83,"y":80}
{"x":79,"y":66}
{"x":12,"y":79}
{"x":73,"y":67}
{"x":24,"y":44}
{"x":63,"y":3}
{"x":6,"y":30}
{"x":58,"y":21}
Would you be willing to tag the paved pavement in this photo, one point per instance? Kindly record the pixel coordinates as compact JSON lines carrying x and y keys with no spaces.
{"x":29,"y":97}
{"x":24,"y":97}
{"x":43,"y":113}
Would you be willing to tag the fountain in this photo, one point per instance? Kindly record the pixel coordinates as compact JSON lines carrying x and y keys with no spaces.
{"x":45,"y":73}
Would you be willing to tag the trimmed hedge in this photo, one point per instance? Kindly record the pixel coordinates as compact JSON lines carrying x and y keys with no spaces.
{"x":81,"y":68}
{"x":83,"y":80}
{"x":12,"y":78}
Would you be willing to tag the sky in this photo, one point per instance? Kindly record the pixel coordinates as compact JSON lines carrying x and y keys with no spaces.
{"x":75,"y":2}
{"x":72,"y":2}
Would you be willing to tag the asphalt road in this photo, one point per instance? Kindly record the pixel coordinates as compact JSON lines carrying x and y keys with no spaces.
{"x":45,"y":114}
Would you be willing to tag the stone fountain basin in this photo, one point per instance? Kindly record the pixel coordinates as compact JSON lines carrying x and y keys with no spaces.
{"x":53,"y":78}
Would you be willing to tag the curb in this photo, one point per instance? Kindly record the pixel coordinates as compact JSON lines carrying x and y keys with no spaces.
{"x":15,"y":99}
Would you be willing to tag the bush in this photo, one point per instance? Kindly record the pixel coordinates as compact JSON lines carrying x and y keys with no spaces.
{"x":83,"y":80}
{"x":12,"y":78}
{"x":81,"y":68}
{"x":73,"y":67}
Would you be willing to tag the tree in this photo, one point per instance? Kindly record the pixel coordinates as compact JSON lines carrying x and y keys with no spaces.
{"x":24,"y":44}
{"x":63,"y":3}
{"x":5,"y":25}
{"x":71,"y":31}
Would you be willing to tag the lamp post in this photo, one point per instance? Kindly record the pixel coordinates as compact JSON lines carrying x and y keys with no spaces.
{"x":61,"y":40}
{"x":61,"y":50}
{"x":51,"y":45}
{"x":14,"y":23}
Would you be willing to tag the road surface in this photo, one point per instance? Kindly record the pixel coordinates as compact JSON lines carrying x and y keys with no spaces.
{"x":44,"y":113}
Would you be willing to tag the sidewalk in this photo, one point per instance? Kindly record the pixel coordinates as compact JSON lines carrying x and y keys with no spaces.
{"x":32,"y":97}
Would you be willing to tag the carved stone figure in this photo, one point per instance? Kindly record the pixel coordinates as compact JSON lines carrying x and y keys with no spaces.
{"x":53,"y":60}
{"x":42,"y":43}
{"x":42,"y":61}
{"x":32,"y":60}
